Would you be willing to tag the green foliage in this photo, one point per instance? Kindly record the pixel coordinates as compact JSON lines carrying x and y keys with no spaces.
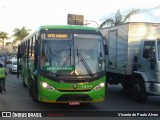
{"x":119,"y":19}
{"x":20,"y":34}
{"x":8,"y":44}
{"x":3,"y":37}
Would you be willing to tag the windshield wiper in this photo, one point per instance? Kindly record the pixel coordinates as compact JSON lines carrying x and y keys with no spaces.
{"x":84,"y":63}
{"x":68,"y":58}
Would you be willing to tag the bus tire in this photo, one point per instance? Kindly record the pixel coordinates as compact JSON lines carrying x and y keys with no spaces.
{"x":33,"y":90}
{"x":24,"y":84}
{"x":138,"y":90}
{"x":30,"y":88}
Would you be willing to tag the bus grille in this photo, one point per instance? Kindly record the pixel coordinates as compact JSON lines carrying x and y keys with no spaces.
{"x":74,"y":90}
{"x":72,"y":97}
{"x":73,"y":81}
{"x":70,"y":79}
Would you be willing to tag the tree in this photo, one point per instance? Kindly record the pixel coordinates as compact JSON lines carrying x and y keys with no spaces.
{"x":8,"y":44}
{"x":20,"y":34}
{"x":119,"y":19}
{"x":3,"y":37}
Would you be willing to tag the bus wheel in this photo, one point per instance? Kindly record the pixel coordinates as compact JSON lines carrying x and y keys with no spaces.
{"x":24,"y":84}
{"x":33,"y":89}
{"x":30,"y":88}
{"x":138,"y":90}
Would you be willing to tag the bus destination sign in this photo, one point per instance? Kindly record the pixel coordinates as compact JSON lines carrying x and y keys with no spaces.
{"x":57,"y":36}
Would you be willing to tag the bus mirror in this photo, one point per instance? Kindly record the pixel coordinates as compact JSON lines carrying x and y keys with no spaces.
{"x":101,"y":59}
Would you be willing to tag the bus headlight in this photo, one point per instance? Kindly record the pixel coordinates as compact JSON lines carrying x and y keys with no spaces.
{"x":47,"y":86}
{"x":101,"y":85}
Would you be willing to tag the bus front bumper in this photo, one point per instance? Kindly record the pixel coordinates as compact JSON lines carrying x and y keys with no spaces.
{"x":55,"y":96}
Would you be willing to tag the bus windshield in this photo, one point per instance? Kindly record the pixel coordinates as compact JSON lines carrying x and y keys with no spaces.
{"x":89,"y":55}
{"x":82,"y":54}
{"x":57,"y":56}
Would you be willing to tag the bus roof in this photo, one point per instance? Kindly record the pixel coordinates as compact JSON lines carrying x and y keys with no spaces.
{"x":67,"y":27}
{"x":62,"y":27}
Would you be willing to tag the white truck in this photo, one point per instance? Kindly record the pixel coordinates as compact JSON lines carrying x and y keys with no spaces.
{"x":133,"y":57}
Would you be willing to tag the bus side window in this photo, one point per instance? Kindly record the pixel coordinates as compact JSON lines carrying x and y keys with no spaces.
{"x":32,"y":46}
{"x":25,"y":49}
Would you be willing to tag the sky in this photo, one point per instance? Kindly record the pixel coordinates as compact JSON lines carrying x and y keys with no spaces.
{"x":34,"y":13}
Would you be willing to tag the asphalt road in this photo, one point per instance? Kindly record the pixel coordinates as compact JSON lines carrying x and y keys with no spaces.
{"x":16,"y":98}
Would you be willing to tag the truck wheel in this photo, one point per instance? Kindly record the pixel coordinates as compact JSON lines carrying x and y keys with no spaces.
{"x":125,"y":85}
{"x":138,"y":90}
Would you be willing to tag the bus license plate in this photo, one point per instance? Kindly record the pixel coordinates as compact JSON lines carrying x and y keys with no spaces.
{"x":74,"y":103}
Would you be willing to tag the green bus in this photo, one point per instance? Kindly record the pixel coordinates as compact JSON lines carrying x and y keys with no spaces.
{"x":63,"y":64}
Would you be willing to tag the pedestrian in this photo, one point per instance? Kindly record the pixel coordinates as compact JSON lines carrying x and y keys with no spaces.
{"x":3,"y":74}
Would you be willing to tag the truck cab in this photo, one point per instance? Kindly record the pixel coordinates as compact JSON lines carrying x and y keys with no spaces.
{"x":148,"y":66}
